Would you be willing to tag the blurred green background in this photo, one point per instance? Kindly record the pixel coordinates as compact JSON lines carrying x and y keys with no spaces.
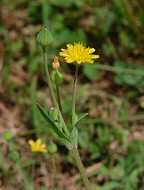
{"x":111,"y":138}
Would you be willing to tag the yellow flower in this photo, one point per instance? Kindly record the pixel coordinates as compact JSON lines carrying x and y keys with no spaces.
{"x":37,"y":146}
{"x":78,"y":53}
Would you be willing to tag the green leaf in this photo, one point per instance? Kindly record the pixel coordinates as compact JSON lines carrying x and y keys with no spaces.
{"x":52,"y":124}
{"x":84,"y":115}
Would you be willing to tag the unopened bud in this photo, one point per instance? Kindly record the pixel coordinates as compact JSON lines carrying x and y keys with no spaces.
{"x":52,"y":148}
{"x":57,"y":77}
{"x":56,"y":64}
{"x":44,"y":37}
{"x":53,"y":113}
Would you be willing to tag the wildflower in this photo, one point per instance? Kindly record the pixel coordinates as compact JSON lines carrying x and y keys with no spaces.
{"x":56,"y":64}
{"x":37,"y":146}
{"x":78,"y":53}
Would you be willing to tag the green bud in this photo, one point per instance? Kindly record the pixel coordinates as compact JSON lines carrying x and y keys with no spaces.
{"x":53,"y":113}
{"x":52,"y":148}
{"x":57,"y":77}
{"x":44,"y":37}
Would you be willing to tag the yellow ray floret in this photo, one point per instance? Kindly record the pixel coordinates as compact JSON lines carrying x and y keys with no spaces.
{"x":78,"y":53}
{"x":37,"y":146}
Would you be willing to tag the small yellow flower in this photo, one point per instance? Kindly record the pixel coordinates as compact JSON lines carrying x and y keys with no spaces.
{"x":37,"y":146}
{"x":78,"y":53}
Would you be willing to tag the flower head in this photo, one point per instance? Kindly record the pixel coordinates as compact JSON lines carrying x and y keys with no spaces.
{"x":37,"y":146}
{"x":78,"y":53}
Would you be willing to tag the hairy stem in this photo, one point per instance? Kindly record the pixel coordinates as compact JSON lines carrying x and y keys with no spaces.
{"x":81,"y":168}
{"x":58,"y":98}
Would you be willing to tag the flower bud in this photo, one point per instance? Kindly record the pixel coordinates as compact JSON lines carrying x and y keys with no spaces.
{"x":56,"y":64}
{"x":44,"y":37}
{"x":53,"y":113}
{"x":52,"y":148}
{"x":57,"y":77}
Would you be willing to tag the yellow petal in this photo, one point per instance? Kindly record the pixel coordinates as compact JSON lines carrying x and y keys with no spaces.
{"x":95,"y":56}
{"x":31,"y":142}
{"x":43,"y":146}
{"x":91,"y":50}
{"x":63,"y":54}
{"x":44,"y":150}
{"x":70,"y":46}
{"x":38,"y":142}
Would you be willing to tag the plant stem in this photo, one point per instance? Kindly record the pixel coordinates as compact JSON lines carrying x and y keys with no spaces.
{"x":49,"y":80}
{"x":74,"y":97}
{"x":58,"y":98}
{"x":55,"y":169}
{"x":52,"y":91}
{"x":81,"y":168}
{"x":74,"y":150}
